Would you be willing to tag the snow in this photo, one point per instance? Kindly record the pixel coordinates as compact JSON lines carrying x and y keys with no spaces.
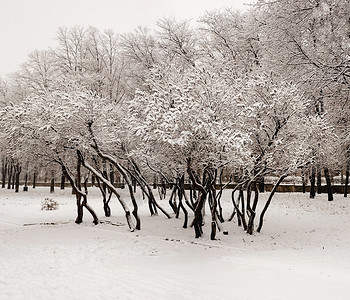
{"x":301,"y":253}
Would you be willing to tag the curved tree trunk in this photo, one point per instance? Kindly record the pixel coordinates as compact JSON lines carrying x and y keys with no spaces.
{"x":114,"y":190}
{"x":181,"y":192}
{"x":274,"y":189}
{"x":76,"y":187}
{"x":132,"y":195}
{"x":250,"y":227}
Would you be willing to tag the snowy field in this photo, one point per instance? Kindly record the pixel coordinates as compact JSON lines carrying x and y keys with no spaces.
{"x":302,"y":252}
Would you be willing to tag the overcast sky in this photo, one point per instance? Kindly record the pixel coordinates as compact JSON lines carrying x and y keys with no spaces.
{"x":27,"y":25}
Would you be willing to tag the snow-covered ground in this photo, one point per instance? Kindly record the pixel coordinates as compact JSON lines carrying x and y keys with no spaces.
{"x":302,"y":252}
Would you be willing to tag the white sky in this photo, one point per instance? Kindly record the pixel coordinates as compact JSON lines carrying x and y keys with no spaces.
{"x":26,"y":25}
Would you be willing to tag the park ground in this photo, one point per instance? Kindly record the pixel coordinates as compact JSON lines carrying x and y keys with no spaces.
{"x":301,"y":253}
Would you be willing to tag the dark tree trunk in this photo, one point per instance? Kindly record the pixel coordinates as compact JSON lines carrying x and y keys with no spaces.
{"x":134,"y":184}
{"x":80,"y":212}
{"x":213,"y":214}
{"x":4,"y":171}
{"x":197,"y":222}
{"x":52,"y":182}
{"x":63,"y":181}
{"x":142,"y":181}
{"x":13,"y":177}
{"x":346,"y":180}
{"x":172,"y":200}
{"x":77,"y":189}
{"x":134,"y":203}
{"x":319,"y":180}
{"x":18,"y":169}
{"x":262,"y":185}
{"x":250,"y":227}
{"x":25,"y":188}
{"x":240,"y":220}
{"x":198,"y":216}
{"x":312,"y":183}
{"x":79,"y":194}
{"x":181,"y":191}
{"x":34,"y":180}
{"x":129,"y":183}
{"x":267,"y":204}
{"x":89,"y":209}
{"x":10,"y":172}
{"x":111,"y":174}
{"x":105,"y":176}
{"x":218,"y":197}
{"x":193,"y":195}
{"x":106,"y":208}
{"x":244,"y":222}
{"x":234,"y":205}
{"x":329,"y":184}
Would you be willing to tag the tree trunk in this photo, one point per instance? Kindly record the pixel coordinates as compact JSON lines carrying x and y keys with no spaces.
{"x":329,"y":184}
{"x":78,"y":194}
{"x":13,"y":179}
{"x":34,"y":180}
{"x":312,"y":183}
{"x":114,"y":190}
{"x":63,"y":181}
{"x":76,"y":186}
{"x":4,"y":171}
{"x":134,"y":184}
{"x":129,"y":183}
{"x":197,"y":222}
{"x":10,"y":172}
{"x":267,"y":204}
{"x":198,"y":216}
{"x":18,"y":169}
{"x":111,"y":174}
{"x":213,"y":214}
{"x":90,"y":210}
{"x":346,"y":180}
{"x":105,"y":175}
{"x":319,"y":180}
{"x":181,"y":191}
{"x":52,"y":182}
{"x":25,"y":188}
{"x":250,"y":227}
{"x":262,"y":185}
{"x":172,"y":200}
{"x":80,"y":212}
{"x":106,"y":208}
{"x":244,"y":222}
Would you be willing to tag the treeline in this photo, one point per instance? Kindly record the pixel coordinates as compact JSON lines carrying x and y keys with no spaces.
{"x":239,"y":96}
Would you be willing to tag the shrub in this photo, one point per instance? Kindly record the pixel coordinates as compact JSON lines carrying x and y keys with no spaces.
{"x":49,"y":204}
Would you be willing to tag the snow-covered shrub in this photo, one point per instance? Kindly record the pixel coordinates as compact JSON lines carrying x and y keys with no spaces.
{"x":49,"y":204}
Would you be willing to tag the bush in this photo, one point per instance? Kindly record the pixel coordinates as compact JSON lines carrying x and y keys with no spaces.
{"x":49,"y":204}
